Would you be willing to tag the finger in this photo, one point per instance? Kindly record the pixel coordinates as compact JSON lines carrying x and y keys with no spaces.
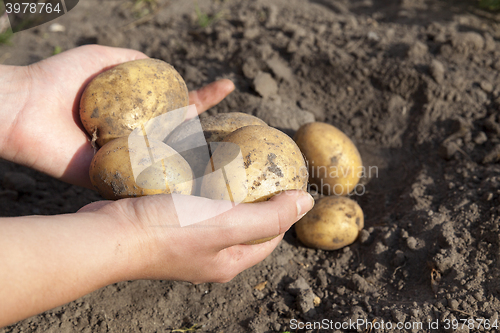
{"x":256,"y":221}
{"x":236,"y":259}
{"x":92,"y":59}
{"x":210,"y":95}
{"x":115,"y":56}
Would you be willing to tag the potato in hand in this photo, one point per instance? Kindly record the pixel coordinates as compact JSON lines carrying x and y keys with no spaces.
{"x":128,"y":96}
{"x":133,"y":167}
{"x":270,"y":163}
{"x":191,"y":139}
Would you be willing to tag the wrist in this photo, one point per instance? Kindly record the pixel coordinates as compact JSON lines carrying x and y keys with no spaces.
{"x":129,"y":239}
{"x":79,"y":253}
{"x":15,"y":86}
{"x":118,"y":241}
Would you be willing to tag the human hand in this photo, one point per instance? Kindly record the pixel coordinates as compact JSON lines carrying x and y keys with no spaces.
{"x":53,"y":260}
{"x":39,"y":120}
{"x":209,"y":251}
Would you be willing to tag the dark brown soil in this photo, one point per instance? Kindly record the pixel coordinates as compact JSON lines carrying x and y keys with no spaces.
{"x":414,"y":83}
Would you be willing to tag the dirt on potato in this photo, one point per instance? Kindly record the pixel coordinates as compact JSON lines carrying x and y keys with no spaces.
{"x":415,"y":85}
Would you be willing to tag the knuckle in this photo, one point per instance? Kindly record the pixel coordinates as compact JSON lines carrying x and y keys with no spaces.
{"x":281,"y":221}
{"x":283,"y":217}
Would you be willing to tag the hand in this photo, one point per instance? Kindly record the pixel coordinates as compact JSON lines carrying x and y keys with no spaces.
{"x":208,"y":251}
{"x":107,"y":242}
{"x":40,"y":121}
{"x":53,"y":260}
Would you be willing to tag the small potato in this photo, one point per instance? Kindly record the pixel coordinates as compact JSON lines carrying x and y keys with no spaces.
{"x":129,"y":95}
{"x":190,"y":138}
{"x":334,"y":222}
{"x":334,"y":162}
{"x":132,"y":167}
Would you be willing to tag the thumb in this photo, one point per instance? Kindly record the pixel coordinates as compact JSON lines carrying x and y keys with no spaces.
{"x":258,"y":221}
{"x":255,"y":221}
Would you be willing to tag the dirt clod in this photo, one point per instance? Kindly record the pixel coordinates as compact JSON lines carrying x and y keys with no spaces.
{"x":265,"y":85}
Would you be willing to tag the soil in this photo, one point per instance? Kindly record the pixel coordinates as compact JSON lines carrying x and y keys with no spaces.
{"x":416,"y":86}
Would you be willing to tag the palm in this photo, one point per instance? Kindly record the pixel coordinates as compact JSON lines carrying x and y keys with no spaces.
{"x":49,"y":136}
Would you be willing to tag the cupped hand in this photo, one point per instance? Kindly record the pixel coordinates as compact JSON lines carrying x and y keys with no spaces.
{"x":40,"y":121}
{"x":212,"y":250}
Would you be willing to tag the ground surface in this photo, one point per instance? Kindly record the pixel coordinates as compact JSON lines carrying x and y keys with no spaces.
{"x":415,"y":84}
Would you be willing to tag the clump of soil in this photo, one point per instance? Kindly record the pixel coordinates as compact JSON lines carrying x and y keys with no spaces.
{"x":414,"y":83}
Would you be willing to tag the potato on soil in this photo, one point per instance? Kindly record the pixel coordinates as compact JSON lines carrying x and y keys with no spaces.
{"x":190,"y":138}
{"x":129,"y":95}
{"x":132,"y":167}
{"x":269,"y":162}
{"x":333,"y":160}
{"x":334,"y":222}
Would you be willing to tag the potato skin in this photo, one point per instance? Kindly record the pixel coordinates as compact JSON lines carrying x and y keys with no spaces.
{"x":333,"y":160}
{"x":112,"y":169}
{"x":334,"y":222}
{"x":217,"y":127}
{"x":272,"y":163}
{"x":186,"y":138}
{"x":128,"y":95}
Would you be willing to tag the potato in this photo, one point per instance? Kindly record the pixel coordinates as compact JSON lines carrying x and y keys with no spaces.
{"x":334,"y":222}
{"x":132,"y":167}
{"x":253,"y":164}
{"x":190,"y":138}
{"x":127,"y":96}
{"x":217,"y":127}
{"x":270,"y":163}
{"x":334,"y":163}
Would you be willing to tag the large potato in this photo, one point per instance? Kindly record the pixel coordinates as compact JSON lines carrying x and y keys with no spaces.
{"x":334,"y":162}
{"x":253,"y":164}
{"x":129,"y":95}
{"x":131,"y":167}
{"x":334,"y":222}
{"x":190,"y":138}
{"x":271,"y":162}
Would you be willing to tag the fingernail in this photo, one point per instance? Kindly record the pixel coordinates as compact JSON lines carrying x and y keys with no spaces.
{"x":304,"y":204}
